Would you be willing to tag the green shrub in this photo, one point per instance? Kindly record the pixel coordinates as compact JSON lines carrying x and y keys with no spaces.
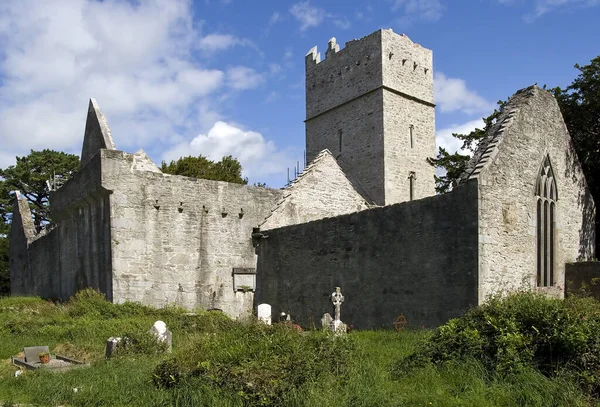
{"x":521,"y":331}
{"x":258,"y":362}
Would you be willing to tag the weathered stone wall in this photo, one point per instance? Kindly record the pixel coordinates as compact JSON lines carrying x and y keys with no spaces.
{"x":360,"y":104}
{"x":344,"y":75}
{"x":416,"y":258}
{"x":530,"y":129}
{"x":75,"y":253}
{"x":177,"y":239}
{"x":400,"y":157}
{"x":321,"y":191}
{"x":361,"y":158}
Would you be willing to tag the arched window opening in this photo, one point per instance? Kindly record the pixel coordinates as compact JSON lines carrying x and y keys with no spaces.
{"x":411,"y":129}
{"x":547,"y":195}
{"x":411,"y":185}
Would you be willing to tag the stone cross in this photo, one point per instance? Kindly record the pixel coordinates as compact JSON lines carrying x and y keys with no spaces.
{"x":337,"y":298}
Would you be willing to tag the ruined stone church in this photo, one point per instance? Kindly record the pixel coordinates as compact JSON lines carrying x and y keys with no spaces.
{"x":363,"y":215}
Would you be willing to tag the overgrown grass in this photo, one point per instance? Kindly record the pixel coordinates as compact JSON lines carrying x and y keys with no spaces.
{"x":220,"y":362}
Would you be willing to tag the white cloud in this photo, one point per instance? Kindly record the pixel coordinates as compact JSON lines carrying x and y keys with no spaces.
{"x":241,"y":78}
{"x":259,"y":157}
{"x":135,"y":58}
{"x":443,"y":137}
{"x":307,"y":15}
{"x":451,"y":95}
{"x":418,"y":10}
{"x":218,"y":42}
{"x":541,"y":7}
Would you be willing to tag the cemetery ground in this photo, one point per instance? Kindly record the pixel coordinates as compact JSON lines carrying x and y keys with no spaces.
{"x":486,"y":358}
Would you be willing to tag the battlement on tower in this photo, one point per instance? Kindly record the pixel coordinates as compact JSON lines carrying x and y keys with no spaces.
{"x":382,"y":59}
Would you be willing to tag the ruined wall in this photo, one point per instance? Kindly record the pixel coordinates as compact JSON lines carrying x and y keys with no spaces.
{"x":530,"y":128}
{"x":177,"y":239}
{"x":416,"y":258}
{"x":75,"y":253}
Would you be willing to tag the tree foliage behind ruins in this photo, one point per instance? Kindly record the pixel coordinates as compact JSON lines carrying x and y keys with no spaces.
{"x":228,"y":169}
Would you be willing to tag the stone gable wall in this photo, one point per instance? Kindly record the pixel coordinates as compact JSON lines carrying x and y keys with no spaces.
{"x":507,"y":206}
{"x":322,"y":190}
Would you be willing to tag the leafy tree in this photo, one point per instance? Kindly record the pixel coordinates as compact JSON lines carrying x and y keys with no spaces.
{"x":228,"y":169}
{"x":456,"y":163}
{"x":30,"y":176}
{"x":580,"y":106}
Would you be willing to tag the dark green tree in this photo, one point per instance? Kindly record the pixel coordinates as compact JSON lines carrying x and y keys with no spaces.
{"x":30,"y":176}
{"x":456,"y":163}
{"x":580,"y":105}
{"x":228,"y":169}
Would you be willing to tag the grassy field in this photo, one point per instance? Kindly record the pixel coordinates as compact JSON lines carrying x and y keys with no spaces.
{"x":219,"y":362}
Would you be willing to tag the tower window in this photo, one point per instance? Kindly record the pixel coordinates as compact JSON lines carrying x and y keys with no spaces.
{"x":411,"y":129}
{"x":411,"y":185}
{"x":340,"y":136}
{"x":546,"y":194}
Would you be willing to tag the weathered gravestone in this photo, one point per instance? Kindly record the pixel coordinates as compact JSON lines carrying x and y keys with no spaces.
{"x":111,"y":346}
{"x":326,"y":321}
{"x":264,"y":313}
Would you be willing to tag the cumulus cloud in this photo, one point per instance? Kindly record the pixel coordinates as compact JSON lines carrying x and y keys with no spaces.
{"x":452,"y":95}
{"x":259,"y":157}
{"x":443,"y":137}
{"x":418,"y":10}
{"x":135,"y":58}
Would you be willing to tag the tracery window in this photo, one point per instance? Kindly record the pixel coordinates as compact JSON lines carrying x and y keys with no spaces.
{"x":547,"y":195}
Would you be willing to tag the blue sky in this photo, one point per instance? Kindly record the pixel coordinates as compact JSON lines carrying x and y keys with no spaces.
{"x":218,"y":77}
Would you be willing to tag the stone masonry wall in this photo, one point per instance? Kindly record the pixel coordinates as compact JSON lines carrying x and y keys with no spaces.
{"x":415,"y":258}
{"x":361,"y":158}
{"x":177,"y":239}
{"x":531,"y":128}
{"x":344,"y":75}
{"x":75,"y":253}
{"x":400,"y":157}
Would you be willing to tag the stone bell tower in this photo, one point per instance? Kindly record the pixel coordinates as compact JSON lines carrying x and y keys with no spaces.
{"x":371,"y":104}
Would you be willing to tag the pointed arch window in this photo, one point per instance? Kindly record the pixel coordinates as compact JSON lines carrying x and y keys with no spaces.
{"x":547,"y":195}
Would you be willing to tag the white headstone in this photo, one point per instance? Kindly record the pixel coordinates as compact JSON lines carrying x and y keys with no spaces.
{"x":162,"y":333}
{"x":264,"y":313}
